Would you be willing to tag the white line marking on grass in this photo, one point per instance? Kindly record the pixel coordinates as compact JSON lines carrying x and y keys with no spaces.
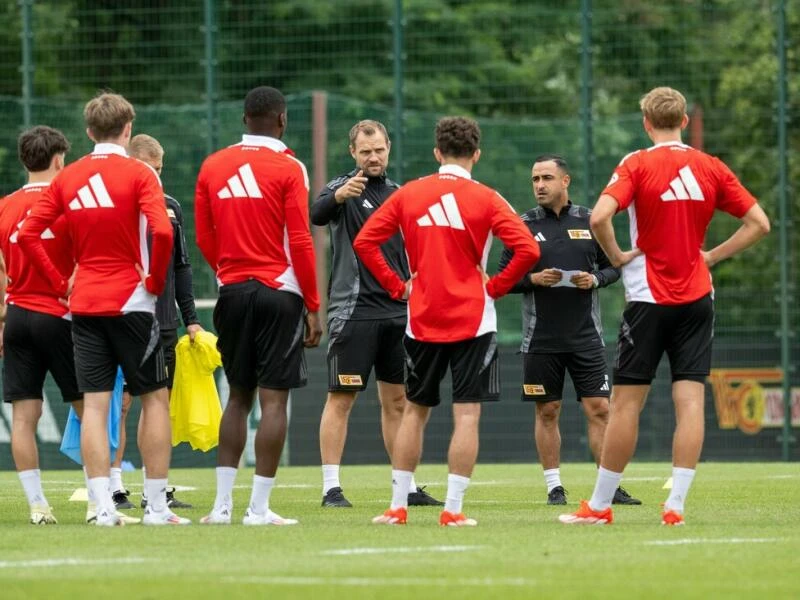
{"x":281,"y":485}
{"x":782,"y":477}
{"x":400,"y":550}
{"x":643,"y":478}
{"x":685,"y":541}
{"x":70,"y":562}
{"x":384,"y":581}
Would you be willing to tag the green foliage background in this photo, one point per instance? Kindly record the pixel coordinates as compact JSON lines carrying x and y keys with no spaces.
{"x":513,"y":64}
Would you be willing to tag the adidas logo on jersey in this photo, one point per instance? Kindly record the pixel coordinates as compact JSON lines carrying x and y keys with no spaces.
{"x":93,"y":195}
{"x":366,"y":204}
{"x":47,"y":234}
{"x":241,"y":185}
{"x":683,"y":187}
{"x":443,"y":214}
{"x":539,"y":237}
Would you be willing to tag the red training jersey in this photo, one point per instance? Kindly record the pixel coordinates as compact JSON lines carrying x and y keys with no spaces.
{"x":27,"y":288}
{"x":447,"y":221}
{"x":251,"y":215}
{"x":671,"y":191}
{"x":109,"y":201}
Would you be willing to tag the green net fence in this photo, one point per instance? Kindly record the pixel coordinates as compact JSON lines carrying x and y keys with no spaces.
{"x":539,"y":77}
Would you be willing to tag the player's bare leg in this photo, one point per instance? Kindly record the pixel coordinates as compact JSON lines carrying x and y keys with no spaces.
{"x":332,"y":437}
{"x":548,"y":444}
{"x":269,"y":441}
{"x":461,"y":459}
{"x":26,"y":415}
{"x":688,"y":397}
{"x":393,"y":400}
{"x":155,"y":444}
{"x":596,"y":410}
{"x":25,"y":419}
{"x":118,"y":491}
{"x":232,"y":438}
{"x":95,"y":454}
{"x":405,"y":458}
{"x":619,"y":444}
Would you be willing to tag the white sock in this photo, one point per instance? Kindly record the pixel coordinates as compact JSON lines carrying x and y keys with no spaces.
{"x":604,"y":489}
{"x":89,"y":492}
{"x":31,"y":481}
{"x":401,"y":482}
{"x":552,"y":477}
{"x":412,"y":487}
{"x":330,"y":478}
{"x":101,"y":493}
{"x":681,"y":482}
{"x":226,"y":476}
{"x":456,"y":486}
{"x":259,"y":498}
{"x":115,"y":480}
{"x":156,"y":494}
{"x":144,"y":479}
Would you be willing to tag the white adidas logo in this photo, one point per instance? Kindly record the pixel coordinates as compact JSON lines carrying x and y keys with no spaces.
{"x":443,"y":214}
{"x":683,"y":187}
{"x":539,"y":237}
{"x":241,"y":185}
{"x":93,"y":195}
{"x":47,"y":234}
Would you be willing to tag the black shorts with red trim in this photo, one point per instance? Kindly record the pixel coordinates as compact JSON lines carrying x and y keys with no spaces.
{"x":543,"y":374}
{"x":356,"y":346}
{"x":684,"y":331}
{"x":132,"y":341}
{"x":260,"y":333}
{"x":472,"y":362}
{"x":35,"y":343}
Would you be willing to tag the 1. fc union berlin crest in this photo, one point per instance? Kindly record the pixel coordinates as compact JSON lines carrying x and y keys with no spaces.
{"x":751,"y":399}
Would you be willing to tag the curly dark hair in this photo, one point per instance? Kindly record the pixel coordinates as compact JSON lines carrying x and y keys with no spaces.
{"x":457,"y":137}
{"x":37,"y":147}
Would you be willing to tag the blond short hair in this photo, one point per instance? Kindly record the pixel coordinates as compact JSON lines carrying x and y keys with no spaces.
{"x":145,"y":147}
{"x":367,"y":127}
{"x":107,"y":114}
{"x":664,"y":107}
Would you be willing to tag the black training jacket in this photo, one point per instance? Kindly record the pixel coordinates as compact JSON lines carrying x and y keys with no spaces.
{"x":562,"y":319}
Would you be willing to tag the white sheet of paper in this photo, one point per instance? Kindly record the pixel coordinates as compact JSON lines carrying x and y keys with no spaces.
{"x":565,"y":279}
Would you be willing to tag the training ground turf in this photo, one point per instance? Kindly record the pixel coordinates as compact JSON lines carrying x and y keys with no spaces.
{"x":742,"y":539}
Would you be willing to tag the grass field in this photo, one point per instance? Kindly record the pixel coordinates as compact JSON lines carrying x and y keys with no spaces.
{"x":742,"y":539}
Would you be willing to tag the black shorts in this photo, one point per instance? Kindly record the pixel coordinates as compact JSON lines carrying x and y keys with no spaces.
{"x":260,"y":336}
{"x":473,"y":363}
{"x":35,"y":343}
{"x":169,"y":339}
{"x":354,"y":347}
{"x":683,"y":331}
{"x":543,"y":374}
{"x":132,"y":341}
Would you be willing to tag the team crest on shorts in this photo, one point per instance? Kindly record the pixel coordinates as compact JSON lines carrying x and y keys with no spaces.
{"x":350,"y":380}
{"x":579,"y":234}
{"x":533,"y":389}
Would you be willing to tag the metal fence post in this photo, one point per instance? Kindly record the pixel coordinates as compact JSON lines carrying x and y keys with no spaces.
{"x":399,"y":133}
{"x":785,"y":296}
{"x":586,"y":99}
{"x":210,"y":63}
{"x":27,"y":62}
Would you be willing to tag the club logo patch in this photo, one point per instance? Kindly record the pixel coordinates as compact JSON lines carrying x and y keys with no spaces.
{"x":350,"y":380}
{"x":533,"y":389}
{"x":579,"y":234}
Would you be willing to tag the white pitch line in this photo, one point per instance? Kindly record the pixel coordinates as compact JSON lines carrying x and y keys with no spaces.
{"x":70,"y":562}
{"x":686,"y":541}
{"x":399,"y":550}
{"x":384,"y":581}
